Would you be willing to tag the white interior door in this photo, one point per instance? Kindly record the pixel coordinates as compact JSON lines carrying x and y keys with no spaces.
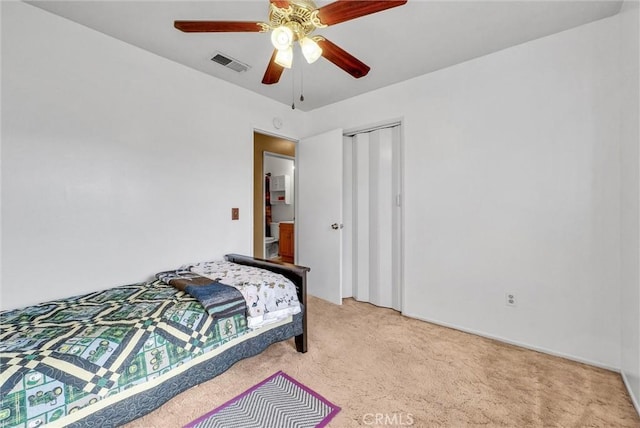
{"x":319,"y":218}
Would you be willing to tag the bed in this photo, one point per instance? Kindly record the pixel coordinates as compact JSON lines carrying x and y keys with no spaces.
{"x":109,"y":357}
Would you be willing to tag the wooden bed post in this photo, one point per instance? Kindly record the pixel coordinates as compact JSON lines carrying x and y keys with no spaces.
{"x":297,"y":274}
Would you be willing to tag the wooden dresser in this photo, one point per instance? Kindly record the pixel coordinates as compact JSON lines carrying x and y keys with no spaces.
{"x":286,"y":242}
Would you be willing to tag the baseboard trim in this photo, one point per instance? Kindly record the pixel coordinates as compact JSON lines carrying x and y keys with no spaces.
{"x":634,"y":399}
{"x":516,"y":343}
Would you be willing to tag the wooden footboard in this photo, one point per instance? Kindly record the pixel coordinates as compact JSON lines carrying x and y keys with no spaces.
{"x":297,"y":274}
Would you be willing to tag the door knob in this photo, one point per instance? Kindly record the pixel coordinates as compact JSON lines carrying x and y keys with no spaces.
{"x":336,"y":226}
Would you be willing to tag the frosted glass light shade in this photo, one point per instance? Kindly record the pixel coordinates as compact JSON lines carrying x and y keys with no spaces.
{"x":310,"y":50}
{"x":282,"y":37}
{"x":284,"y":57}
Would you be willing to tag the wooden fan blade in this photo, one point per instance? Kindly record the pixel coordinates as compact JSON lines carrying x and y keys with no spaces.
{"x":282,"y":4}
{"x":273,"y":72}
{"x":343,"y":59}
{"x":217,"y":26}
{"x":344,"y":10}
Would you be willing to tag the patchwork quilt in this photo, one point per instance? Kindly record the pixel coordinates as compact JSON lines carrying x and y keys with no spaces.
{"x":61,"y":356}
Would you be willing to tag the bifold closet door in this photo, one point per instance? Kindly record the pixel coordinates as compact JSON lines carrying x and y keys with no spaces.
{"x":376,"y":237}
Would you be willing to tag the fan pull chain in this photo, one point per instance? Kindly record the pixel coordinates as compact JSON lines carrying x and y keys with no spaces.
{"x":301,"y":84}
{"x":293,"y":90}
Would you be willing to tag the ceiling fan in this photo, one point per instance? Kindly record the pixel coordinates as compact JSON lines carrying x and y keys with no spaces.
{"x":295,"y":20}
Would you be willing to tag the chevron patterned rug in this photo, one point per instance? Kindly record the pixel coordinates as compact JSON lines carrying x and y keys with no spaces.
{"x":277,"y":402}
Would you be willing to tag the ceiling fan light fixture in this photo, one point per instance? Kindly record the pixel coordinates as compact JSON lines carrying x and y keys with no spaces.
{"x":282,"y":37}
{"x":310,"y":49}
{"x":284,"y":57}
{"x":295,"y":20}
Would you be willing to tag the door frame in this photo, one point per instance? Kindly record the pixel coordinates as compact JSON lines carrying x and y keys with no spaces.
{"x":264,"y":141}
{"x":267,"y":154}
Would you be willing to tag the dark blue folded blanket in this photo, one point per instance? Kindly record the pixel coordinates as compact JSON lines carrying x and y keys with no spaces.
{"x":220,"y":300}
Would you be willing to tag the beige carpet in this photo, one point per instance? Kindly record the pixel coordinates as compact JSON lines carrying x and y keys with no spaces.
{"x":384,"y":369}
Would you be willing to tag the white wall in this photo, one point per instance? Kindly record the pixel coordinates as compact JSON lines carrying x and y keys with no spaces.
{"x":511,"y":185}
{"x":113,"y":159}
{"x":630,"y":212}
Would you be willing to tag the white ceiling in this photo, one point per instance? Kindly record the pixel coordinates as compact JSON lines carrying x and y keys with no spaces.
{"x":398,"y":44}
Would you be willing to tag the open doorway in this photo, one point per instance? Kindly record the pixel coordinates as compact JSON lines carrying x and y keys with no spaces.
{"x":279,"y":211}
{"x":280,"y":154}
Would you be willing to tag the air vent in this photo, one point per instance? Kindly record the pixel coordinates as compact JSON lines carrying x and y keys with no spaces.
{"x":229,"y":62}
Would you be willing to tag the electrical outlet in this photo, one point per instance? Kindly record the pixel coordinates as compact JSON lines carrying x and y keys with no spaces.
{"x":510,"y":299}
{"x":235,"y":213}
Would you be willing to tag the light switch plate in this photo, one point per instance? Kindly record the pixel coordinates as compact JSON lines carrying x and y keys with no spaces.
{"x":235,"y":213}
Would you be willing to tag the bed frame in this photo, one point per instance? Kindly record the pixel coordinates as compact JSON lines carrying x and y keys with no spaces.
{"x":120,"y":412}
{"x":297,"y":274}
